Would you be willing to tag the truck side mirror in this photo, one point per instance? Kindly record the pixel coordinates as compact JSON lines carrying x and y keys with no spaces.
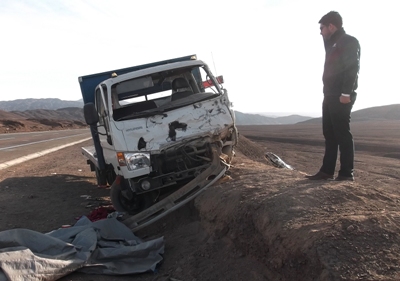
{"x":90,"y":114}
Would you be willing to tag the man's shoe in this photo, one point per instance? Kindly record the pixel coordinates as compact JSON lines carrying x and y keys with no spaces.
{"x":320,"y":176}
{"x":344,"y":178}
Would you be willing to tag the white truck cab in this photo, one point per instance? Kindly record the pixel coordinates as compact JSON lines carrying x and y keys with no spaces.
{"x":155,"y":129}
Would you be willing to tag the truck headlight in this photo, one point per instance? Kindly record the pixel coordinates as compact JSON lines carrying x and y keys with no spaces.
{"x":134,"y":160}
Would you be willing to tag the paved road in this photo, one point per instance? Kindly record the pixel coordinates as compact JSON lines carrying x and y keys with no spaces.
{"x":16,"y":145}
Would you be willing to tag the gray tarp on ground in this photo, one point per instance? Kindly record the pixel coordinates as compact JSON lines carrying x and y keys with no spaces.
{"x":103,"y":247}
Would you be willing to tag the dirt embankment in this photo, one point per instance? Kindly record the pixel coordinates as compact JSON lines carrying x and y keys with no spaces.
{"x":263,"y":224}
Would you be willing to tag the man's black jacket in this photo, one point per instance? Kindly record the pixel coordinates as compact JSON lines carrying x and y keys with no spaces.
{"x":342,"y":63}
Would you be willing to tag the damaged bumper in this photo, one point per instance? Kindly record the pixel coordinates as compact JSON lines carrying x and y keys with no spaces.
{"x":214,"y":171}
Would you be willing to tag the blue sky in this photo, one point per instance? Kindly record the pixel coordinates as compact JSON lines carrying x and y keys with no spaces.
{"x":270,"y":52}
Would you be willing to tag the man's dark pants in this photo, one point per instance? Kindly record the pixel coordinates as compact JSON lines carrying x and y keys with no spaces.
{"x":336,"y":129}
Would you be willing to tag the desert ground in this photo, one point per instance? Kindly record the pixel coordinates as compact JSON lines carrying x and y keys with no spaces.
{"x":260,"y":223}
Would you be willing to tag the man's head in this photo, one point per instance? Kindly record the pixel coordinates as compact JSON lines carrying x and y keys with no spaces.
{"x":329,"y":23}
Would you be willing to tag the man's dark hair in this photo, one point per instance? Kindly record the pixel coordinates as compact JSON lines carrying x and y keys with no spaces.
{"x":332,"y":18}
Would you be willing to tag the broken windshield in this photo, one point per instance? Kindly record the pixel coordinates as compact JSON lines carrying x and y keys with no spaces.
{"x":162,"y":91}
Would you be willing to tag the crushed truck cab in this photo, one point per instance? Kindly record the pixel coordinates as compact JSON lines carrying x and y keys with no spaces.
{"x":157,"y":128}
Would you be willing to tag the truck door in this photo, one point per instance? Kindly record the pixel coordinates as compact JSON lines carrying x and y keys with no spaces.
{"x":104,"y":125}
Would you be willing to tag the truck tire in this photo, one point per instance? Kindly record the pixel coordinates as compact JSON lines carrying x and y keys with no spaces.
{"x":111,"y":176}
{"x":101,"y":177}
{"x":136,"y":204}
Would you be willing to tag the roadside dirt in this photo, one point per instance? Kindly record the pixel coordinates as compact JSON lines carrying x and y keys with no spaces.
{"x":265,"y":223}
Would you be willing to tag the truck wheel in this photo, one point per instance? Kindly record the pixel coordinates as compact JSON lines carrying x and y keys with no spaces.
{"x":133,"y":205}
{"x":111,"y":176}
{"x":101,"y":178}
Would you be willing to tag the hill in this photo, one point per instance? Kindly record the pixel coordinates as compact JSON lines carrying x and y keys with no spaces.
{"x":69,"y":117}
{"x":257,"y":119}
{"x":41,"y":120}
{"x":378,"y":113}
{"x":42,"y":109}
{"x":69,"y":113}
{"x":5,"y":115}
{"x":24,"y":115}
{"x":32,"y":104}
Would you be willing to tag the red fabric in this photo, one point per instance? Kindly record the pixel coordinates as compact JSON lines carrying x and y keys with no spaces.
{"x":100,"y":213}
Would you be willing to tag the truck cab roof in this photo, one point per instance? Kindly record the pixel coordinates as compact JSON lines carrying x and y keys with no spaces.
{"x":88,"y":83}
{"x":154,"y":69}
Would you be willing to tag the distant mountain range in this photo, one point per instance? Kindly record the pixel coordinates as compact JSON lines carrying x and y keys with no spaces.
{"x":257,"y":119}
{"x":66,"y":113}
{"x":378,"y":113}
{"x":56,"y":109}
{"x":32,"y":104}
{"x":52,"y":109}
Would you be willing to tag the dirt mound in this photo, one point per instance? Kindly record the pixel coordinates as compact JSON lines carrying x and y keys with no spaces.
{"x":268,"y":223}
{"x":304,"y":230}
{"x":251,"y":150}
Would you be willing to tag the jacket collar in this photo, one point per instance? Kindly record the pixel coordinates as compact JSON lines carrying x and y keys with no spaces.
{"x":335,"y":36}
{"x":333,"y":40}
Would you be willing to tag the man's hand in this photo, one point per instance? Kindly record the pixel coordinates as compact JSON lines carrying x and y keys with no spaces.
{"x":345,"y":99}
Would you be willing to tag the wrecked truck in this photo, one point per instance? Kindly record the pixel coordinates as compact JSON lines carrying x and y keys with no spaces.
{"x":162,"y":133}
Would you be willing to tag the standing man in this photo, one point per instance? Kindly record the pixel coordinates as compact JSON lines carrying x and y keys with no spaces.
{"x":342,"y":63}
